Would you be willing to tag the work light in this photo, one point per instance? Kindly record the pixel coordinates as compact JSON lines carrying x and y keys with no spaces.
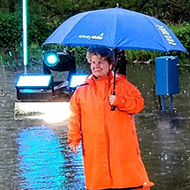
{"x":56,"y":61}
{"x":34,"y":81}
{"x":34,"y":86}
{"x":51,"y":59}
{"x":76,"y":80}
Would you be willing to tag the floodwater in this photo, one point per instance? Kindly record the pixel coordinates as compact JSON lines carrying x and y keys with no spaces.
{"x":34,"y":154}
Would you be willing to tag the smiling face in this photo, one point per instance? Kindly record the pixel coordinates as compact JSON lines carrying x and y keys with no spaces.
{"x":99,"y":66}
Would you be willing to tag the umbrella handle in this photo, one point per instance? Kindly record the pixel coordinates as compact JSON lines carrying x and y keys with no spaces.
{"x":115,"y":68}
{"x":113,"y":107}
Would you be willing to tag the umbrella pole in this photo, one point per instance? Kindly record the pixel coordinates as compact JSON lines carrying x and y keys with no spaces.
{"x":114,"y":77}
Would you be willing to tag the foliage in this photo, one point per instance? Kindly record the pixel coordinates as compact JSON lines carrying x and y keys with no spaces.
{"x":183,"y":34}
{"x":55,"y":11}
{"x":170,"y":11}
{"x":10,"y":30}
{"x":38,"y":30}
{"x":82,"y":64}
{"x":46,"y":16}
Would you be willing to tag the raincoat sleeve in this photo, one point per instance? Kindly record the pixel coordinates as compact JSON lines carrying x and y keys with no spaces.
{"x":74,"y":122}
{"x":130,"y":99}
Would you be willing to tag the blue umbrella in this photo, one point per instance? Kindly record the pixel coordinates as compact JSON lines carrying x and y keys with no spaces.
{"x":116,"y":28}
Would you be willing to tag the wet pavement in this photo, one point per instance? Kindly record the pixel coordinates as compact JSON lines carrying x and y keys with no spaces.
{"x":34,"y":154}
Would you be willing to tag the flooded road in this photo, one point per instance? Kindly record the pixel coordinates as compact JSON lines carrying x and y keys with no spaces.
{"x":34,"y":154}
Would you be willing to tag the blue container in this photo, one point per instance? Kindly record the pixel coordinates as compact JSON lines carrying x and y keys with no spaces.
{"x":167,"y":75}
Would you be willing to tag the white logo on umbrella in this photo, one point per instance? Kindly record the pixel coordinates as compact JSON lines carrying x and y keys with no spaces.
{"x":94,"y":37}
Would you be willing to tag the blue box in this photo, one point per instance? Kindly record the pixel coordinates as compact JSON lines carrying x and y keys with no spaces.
{"x":167,"y":75}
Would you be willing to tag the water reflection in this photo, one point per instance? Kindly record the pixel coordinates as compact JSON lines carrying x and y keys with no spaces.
{"x":45,"y":164}
{"x":40,"y":159}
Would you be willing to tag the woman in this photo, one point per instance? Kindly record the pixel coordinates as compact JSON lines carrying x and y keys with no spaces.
{"x":111,"y":152}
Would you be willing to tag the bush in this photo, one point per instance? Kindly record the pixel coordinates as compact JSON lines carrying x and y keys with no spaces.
{"x":10,"y":27}
{"x":183,"y":34}
{"x":38,"y":30}
{"x":11,"y":30}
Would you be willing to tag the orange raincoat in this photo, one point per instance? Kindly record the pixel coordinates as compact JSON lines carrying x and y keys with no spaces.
{"x":111,"y":152}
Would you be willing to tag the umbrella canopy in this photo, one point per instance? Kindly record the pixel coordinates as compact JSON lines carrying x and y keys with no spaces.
{"x":116,"y":28}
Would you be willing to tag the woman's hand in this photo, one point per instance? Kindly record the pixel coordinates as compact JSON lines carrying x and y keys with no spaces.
{"x":112,"y":99}
{"x":74,"y":148}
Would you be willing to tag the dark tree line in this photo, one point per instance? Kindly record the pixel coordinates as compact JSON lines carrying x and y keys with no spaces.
{"x":45,"y":16}
{"x":175,"y":11}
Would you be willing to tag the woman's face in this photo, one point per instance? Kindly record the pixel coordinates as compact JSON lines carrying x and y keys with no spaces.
{"x":99,"y":67}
